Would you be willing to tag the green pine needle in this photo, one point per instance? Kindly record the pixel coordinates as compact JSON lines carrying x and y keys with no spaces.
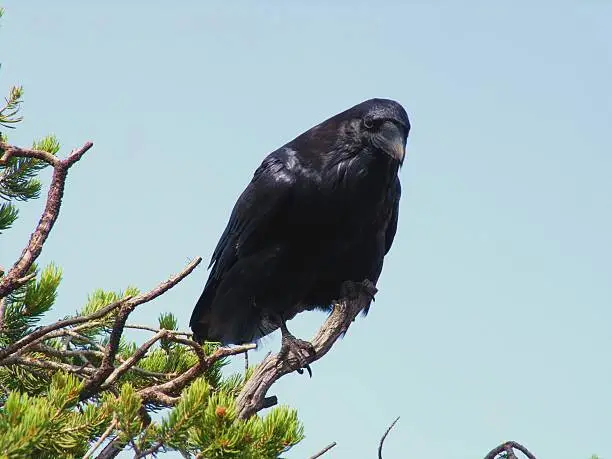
{"x":50,"y":144}
{"x":8,"y":215}
{"x":9,"y":113}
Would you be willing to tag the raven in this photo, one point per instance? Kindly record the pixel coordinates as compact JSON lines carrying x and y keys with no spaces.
{"x":319,"y":211}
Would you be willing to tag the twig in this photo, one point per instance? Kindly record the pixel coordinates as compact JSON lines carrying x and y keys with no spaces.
{"x":2,"y":310}
{"x":43,"y":332}
{"x":152,"y":394}
{"x":48,"y":365}
{"x":106,"y":367}
{"x":67,"y":353}
{"x":104,"y":436}
{"x":507,"y":447}
{"x":112,"y":449}
{"x":157,"y":330}
{"x":132,"y":360}
{"x":84,"y":353}
{"x":323,"y":451}
{"x":24,"y":280}
{"x":253,"y":395}
{"x":8,"y":282}
{"x":382,"y":440}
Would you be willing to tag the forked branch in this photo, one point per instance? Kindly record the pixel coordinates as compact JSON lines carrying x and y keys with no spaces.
{"x":253,"y":398}
{"x":11,"y":280}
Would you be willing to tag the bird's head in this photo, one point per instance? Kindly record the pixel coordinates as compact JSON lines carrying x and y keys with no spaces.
{"x":380,"y":124}
{"x":384,"y":124}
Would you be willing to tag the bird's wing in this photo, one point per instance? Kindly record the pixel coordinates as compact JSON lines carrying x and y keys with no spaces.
{"x":392,"y":225}
{"x":257,"y":210}
{"x":260,"y":212}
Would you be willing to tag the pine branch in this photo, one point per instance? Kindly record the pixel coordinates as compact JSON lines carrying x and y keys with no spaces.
{"x":160,"y":392}
{"x":253,"y":398}
{"x":323,"y":451}
{"x":157,"y":330}
{"x":8,"y":113}
{"x":107,"y":365}
{"x":48,"y":365}
{"x":86,"y":353}
{"x":129,"y":363}
{"x":9,"y":282}
{"x":44,"y":333}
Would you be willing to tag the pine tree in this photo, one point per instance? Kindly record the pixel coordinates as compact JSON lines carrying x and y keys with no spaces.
{"x":78,"y":387}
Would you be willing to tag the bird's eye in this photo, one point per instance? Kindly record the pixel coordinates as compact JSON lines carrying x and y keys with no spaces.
{"x":368,"y":123}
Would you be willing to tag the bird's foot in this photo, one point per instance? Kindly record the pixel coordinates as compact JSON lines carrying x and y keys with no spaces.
{"x":352,"y":290}
{"x":300,"y":349}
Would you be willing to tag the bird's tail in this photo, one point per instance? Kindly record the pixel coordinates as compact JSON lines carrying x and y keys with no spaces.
{"x":227,"y":320}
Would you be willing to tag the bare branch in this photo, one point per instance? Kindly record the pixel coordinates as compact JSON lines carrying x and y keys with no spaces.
{"x":508,"y":447}
{"x":106,"y":367}
{"x":9,"y":282}
{"x":2,"y":311}
{"x":24,"y":280}
{"x":253,"y":396}
{"x":134,"y":358}
{"x":323,"y":451}
{"x":382,"y":440}
{"x":157,"y":330}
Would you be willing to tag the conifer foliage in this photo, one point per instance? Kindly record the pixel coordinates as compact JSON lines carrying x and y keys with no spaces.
{"x":79,"y":387}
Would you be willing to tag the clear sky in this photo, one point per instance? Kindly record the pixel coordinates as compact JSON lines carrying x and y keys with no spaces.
{"x":494,"y":316}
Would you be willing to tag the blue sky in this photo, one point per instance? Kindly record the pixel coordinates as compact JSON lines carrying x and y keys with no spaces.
{"x":495,"y":307}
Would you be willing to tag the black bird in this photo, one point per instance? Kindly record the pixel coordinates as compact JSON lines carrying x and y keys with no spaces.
{"x":319,"y":211}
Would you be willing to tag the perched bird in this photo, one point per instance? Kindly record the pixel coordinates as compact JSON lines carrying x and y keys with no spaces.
{"x":319,"y":211}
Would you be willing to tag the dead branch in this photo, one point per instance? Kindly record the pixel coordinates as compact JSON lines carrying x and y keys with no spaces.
{"x":9,"y":282}
{"x":252,"y":398}
{"x":157,"y":330}
{"x":382,"y":439}
{"x":2,"y":309}
{"x":134,"y":358}
{"x":323,"y":451}
{"x":507,"y":447}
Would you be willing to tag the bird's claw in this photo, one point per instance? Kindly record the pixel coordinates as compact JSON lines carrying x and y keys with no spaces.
{"x":308,"y":369}
{"x":300,"y":349}
{"x":352,"y":290}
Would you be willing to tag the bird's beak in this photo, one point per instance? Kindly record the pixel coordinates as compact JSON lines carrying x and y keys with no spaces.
{"x":398,"y":150}
{"x":393,"y":141}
